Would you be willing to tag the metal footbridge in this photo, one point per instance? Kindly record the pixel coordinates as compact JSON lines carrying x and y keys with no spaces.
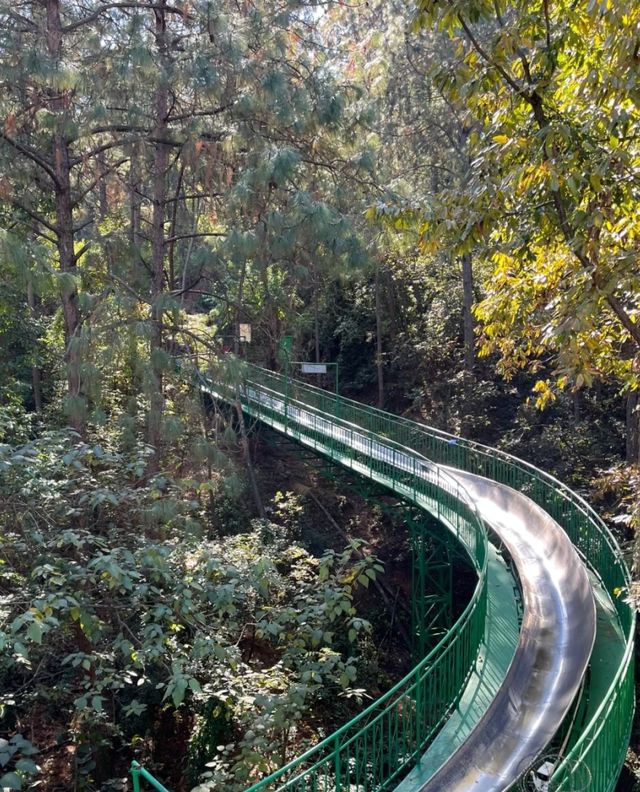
{"x":532,"y":687}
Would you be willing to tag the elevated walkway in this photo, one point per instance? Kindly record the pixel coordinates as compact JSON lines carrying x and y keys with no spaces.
{"x":489,"y":699}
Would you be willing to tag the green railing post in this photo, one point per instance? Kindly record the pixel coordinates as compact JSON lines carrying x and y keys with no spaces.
{"x":135,"y":775}
{"x":286,"y":393}
{"x":338,"y":768}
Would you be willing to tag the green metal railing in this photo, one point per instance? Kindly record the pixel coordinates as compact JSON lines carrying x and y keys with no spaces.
{"x":138,"y":772}
{"x":601,"y":747}
{"x":372,"y":751}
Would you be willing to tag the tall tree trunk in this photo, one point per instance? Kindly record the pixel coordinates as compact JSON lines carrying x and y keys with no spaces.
{"x":36,"y":374}
{"x":239,"y":308}
{"x":58,"y":103}
{"x":187,"y":255}
{"x":160,"y":168}
{"x":467,"y":315}
{"x":244,"y":437}
{"x":379,"y":347}
{"x":246,"y":450}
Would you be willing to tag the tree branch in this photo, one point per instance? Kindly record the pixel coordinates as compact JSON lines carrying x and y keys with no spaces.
{"x":103,"y":147}
{"x":77,"y":256}
{"x":31,"y":25}
{"x":547,"y":24}
{"x":35,"y":216}
{"x":97,"y":181}
{"x":79,"y":227}
{"x":569,"y":234}
{"x":214,"y":111}
{"x":226,"y":300}
{"x":30,"y":154}
{"x":483,"y":54}
{"x":619,"y":310}
{"x":188,"y":197}
{"x":129,"y":289}
{"x":109,"y":6}
{"x":193,"y":236}
{"x":40,"y":233}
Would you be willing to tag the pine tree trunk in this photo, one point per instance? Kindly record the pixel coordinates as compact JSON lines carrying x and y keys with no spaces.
{"x":173,"y":230}
{"x":246,"y":449}
{"x":134,"y":198}
{"x":239,"y":308}
{"x":103,"y":199}
{"x":36,"y":374}
{"x":64,"y":227}
{"x":187,"y":256}
{"x":160,"y":167}
{"x":316,"y":322}
{"x":244,"y":439}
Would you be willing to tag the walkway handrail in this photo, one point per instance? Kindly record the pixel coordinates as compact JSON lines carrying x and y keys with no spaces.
{"x":602,"y":743}
{"x":380,"y":743}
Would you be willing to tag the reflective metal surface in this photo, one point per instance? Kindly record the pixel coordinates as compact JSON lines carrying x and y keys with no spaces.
{"x":556,"y":639}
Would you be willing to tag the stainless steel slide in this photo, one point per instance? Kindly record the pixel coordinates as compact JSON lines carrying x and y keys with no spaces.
{"x":556,"y":640}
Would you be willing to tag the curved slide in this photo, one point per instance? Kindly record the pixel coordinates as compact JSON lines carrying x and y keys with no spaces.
{"x":560,"y":689}
{"x":556,"y":639}
{"x":558,"y":627}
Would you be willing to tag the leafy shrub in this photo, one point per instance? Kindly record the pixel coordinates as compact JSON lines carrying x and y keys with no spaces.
{"x":117,"y":610}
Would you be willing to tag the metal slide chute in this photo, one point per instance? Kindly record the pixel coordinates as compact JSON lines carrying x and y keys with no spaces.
{"x":556,"y":638}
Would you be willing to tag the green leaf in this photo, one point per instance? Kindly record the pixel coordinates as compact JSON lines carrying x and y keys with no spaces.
{"x":177,"y":695}
{"x":96,"y":703}
{"x":34,"y":631}
{"x":20,"y":649}
{"x":26,"y":766}
{"x":11,"y":781}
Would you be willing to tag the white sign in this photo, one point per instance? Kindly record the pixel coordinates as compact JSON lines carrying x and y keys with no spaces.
{"x":244,"y":332}
{"x":314,"y":368}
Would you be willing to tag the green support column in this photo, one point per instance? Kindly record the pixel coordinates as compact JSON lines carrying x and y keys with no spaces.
{"x":432,"y":580}
{"x":284,"y":353}
{"x":433,"y":551}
